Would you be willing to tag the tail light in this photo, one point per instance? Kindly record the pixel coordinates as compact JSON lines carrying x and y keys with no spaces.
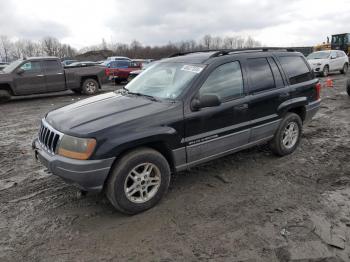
{"x":318,"y":90}
{"x":107,"y":71}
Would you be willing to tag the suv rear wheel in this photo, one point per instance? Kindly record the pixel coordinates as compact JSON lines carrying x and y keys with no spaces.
{"x":325,"y":71}
{"x":138,"y":181}
{"x":345,"y":69}
{"x":288,"y":135}
{"x":90,"y":87}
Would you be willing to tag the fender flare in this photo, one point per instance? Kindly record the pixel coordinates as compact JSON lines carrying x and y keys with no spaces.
{"x":290,"y":104}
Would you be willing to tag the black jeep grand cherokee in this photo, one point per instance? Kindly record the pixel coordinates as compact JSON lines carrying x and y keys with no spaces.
{"x":180,"y":112}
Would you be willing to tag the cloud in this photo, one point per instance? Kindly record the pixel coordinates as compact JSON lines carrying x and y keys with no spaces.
{"x":17,"y":25}
{"x":156,"y":22}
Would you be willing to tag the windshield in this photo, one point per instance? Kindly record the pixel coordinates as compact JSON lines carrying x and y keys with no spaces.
{"x":12,"y":66}
{"x":318,"y":55}
{"x":164,"y":80}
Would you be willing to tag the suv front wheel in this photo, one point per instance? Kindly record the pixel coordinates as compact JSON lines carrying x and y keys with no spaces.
{"x":4,"y":95}
{"x":138,"y":181}
{"x":287,"y":136}
{"x":325,"y":71}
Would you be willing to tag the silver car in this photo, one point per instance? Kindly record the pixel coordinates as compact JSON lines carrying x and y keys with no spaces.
{"x":323,"y":62}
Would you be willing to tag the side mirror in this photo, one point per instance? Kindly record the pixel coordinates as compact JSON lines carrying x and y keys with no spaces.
{"x":20,"y":71}
{"x":333,"y":57}
{"x":205,"y":101}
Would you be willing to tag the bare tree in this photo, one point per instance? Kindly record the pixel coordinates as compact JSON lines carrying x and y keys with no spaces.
{"x":217,"y":42}
{"x":6,"y":47}
{"x":207,"y":41}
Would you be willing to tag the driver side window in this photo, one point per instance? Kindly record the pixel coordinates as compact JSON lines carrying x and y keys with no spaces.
{"x":31,"y":67}
{"x":225,"y":81}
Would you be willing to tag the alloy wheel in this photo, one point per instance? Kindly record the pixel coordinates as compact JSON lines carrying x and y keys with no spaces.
{"x":142,"y":183}
{"x":290,"y":135}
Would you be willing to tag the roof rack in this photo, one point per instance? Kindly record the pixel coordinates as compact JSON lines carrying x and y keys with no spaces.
{"x":221,"y":52}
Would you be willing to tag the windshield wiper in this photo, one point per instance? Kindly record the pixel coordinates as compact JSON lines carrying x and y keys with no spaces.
{"x":140,"y":94}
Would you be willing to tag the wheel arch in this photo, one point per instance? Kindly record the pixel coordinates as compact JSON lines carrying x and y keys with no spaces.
{"x":159,"y":146}
{"x":296,"y":105}
{"x":94,"y":77}
{"x":8,"y":88}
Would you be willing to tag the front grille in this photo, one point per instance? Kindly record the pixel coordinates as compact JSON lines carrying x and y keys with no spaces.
{"x":48,"y":137}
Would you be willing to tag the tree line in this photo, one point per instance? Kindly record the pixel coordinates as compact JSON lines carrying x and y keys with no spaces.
{"x":49,"y":46}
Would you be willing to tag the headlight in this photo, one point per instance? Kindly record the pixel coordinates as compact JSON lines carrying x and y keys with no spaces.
{"x":76,"y":148}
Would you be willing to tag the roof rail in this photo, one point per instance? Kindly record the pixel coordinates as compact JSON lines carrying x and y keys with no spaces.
{"x":191,"y":52}
{"x":221,"y":52}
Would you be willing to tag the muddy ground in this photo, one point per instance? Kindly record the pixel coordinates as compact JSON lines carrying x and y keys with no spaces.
{"x":250,"y":206}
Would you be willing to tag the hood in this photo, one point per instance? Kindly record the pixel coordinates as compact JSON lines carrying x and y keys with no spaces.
{"x":99,"y":112}
{"x":5,"y":77}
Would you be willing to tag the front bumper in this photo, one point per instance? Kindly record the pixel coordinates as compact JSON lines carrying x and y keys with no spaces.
{"x":88,"y":175}
{"x":311,"y":110}
{"x":317,"y":68}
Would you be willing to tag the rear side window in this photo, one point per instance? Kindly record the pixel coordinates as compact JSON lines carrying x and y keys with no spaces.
{"x":52,"y":66}
{"x":296,"y":69}
{"x":123,"y":64}
{"x":260,"y":75}
{"x":340,"y":54}
{"x":225,"y":81}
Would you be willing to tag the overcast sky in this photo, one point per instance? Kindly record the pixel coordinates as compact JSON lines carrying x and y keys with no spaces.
{"x":155,"y":22}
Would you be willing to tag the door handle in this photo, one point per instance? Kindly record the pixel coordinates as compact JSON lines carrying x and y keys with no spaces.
{"x":40,"y":75}
{"x":60,"y":73}
{"x":241,"y":107}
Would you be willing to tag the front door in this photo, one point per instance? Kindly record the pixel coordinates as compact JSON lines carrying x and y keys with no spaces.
{"x":31,"y":80}
{"x":333,"y":63}
{"x":214,"y":131}
{"x":54,"y":76}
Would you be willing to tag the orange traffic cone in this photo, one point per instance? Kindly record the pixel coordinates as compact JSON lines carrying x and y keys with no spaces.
{"x":329,"y":82}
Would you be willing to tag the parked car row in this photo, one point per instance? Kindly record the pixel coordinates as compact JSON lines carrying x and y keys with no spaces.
{"x":119,"y":67}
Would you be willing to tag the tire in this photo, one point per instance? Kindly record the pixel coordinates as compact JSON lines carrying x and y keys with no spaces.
{"x":118,"y":81}
{"x":121,"y":179}
{"x":325,"y":71}
{"x":348,"y":87}
{"x":279,"y":144}
{"x":4,"y":96}
{"x":345,"y":69}
{"x":90,"y":87}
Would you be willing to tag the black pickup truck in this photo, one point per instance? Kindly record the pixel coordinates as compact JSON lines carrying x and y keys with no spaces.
{"x":181,"y":112}
{"x":45,"y":74}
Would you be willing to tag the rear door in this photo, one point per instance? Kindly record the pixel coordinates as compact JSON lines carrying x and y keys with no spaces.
{"x":266,"y":90}
{"x":299,"y":75}
{"x":214,"y":131}
{"x":32,"y":80}
{"x":54,"y":76}
{"x":341,"y":59}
